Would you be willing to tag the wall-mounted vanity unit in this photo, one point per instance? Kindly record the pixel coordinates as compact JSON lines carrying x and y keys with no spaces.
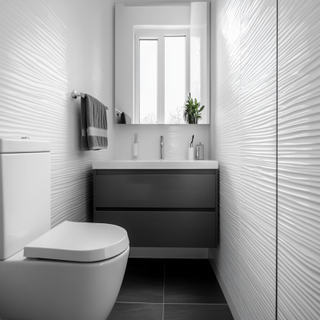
{"x":160,"y":203}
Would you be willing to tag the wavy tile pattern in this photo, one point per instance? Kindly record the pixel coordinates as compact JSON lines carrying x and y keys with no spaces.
{"x":245,"y":146}
{"x":258,"y":158}
{"x":227,"y":144}
{"x":46,"y":51}
{"x":299,"y":160}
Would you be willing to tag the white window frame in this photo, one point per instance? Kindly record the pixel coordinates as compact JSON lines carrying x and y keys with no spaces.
{"x":159,"y":35}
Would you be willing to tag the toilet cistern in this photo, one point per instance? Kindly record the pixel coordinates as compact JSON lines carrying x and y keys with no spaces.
{"x":161,"y":148}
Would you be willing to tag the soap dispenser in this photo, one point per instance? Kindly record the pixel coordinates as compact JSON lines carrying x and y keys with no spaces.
{"x":135,"y":151}
{"x":200,"y":151}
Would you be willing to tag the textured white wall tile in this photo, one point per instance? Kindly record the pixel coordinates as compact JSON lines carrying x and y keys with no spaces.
{"x":299,"y":159}
{"x":258,"y":158}
{"x":227,"y":143}
{"x":176,"y":141}
{"x":47,"y":49}
{"x":245,"y":133}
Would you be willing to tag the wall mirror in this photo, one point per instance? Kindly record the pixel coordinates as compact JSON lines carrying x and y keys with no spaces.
{"x":162,"y":54}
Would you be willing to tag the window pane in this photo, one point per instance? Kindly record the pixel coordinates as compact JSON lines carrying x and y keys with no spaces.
{"x":175,"y":78}
{"x":148,"y":81}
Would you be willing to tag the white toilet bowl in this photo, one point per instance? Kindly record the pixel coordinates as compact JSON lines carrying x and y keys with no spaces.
{"x":72,"y":272}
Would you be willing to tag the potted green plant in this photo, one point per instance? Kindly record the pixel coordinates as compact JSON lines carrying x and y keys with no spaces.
{"x":192,"y":110}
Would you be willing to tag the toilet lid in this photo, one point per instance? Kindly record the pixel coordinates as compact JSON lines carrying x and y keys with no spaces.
{"x":79,"y":241}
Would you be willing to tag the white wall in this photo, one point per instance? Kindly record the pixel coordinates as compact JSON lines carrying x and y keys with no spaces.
{"x":176,"y":141}
{"x":245,"y":145}
{"x":299,"y":160}
{"x":267,"y":138}
{"x":47,"y":49}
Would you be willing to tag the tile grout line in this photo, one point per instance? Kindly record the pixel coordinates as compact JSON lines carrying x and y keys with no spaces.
{"x":174,"y":303}
{"x":138,"y":302}
{"x":164,"y":284}
{"x":196,"y":304}
{"x":277,"y":164}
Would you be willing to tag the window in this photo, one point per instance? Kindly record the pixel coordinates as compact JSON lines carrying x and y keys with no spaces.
{"x":148,"y":84}
{"x":161,"y":76}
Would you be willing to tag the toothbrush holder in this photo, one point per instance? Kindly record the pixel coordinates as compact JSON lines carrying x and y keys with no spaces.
{"x":191,"y":153}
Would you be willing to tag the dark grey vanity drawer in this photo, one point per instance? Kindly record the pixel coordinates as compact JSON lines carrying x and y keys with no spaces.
{"x":192,"y":229}
{"x":155,"y":189}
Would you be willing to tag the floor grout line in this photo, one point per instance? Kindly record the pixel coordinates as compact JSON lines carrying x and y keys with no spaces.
{"x":164,"y":285}
{"x":139,"y":302}
{"x":176,"y":303}
{"x":197,"y":304}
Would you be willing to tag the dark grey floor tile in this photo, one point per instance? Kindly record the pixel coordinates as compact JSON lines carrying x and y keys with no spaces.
{"x":147,"y":265}
{"x":143,"y":281}
{"x":191,"y":281}
{"x":195,"y":312}
{"x":188,"y":266}
{"x":136,"y":311}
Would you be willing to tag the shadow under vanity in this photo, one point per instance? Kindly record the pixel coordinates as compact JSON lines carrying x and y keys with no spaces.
{"x":160,"y":203}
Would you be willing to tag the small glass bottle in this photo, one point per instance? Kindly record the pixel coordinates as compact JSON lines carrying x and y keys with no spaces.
{"x":200,"y":151}
{"x":135,"y":151}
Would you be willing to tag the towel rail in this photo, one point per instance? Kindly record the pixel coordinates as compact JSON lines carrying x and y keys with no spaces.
{"x":75,"y":95}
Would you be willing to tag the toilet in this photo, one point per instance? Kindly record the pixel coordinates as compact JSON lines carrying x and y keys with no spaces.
{"x":73,"y":271}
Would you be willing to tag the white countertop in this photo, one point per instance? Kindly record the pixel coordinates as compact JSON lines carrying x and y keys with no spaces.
{"x":156,"y":164}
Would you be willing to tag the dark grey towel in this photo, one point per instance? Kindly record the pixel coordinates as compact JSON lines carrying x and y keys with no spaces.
{"x":93,"y":124}
{"x":125,"y":118}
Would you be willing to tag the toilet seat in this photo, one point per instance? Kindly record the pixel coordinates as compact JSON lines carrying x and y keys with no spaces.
{"x":79,"y":242}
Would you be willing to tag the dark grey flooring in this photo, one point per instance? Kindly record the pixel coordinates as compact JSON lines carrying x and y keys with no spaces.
{"x":170,"y":289}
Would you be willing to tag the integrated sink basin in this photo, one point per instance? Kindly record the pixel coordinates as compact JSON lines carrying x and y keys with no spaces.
{"x":156,"y":164}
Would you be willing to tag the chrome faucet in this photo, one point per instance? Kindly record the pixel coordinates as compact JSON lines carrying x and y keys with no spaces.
{"x":161,"y":148}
